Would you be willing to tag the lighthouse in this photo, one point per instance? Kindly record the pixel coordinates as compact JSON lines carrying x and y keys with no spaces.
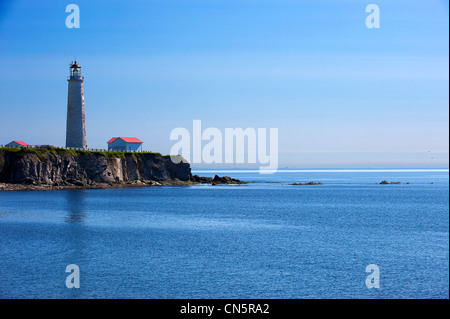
{"x":76,"y":127}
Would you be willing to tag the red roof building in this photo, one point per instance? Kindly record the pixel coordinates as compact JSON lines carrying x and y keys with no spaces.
{"x":16,"y":144}
{"x":124,"y":144}
{"x":126,"y":139}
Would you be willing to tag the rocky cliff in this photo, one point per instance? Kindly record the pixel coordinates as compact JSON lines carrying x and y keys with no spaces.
{"x":61,"y":167}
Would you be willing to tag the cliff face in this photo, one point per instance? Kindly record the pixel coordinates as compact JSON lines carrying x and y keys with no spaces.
{"x":60,"y":167}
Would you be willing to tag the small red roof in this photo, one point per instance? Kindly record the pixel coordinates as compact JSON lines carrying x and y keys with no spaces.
{"x":126,"y":139}
{"x":21,"y":143}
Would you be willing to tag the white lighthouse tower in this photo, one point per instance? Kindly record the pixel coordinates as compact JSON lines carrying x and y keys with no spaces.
{"x":76,"y":127}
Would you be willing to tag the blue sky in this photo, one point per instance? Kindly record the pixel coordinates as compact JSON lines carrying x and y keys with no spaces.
{"x":341,"y":95}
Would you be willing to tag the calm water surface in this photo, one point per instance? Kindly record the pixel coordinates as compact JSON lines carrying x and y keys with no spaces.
{"x":266,"y":239}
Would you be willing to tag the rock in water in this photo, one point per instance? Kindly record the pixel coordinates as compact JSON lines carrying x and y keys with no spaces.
{"x":309,"y":183}
{"x":225,"y":180}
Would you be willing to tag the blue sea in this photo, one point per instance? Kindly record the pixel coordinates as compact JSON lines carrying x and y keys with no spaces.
{"x":265,"y":239}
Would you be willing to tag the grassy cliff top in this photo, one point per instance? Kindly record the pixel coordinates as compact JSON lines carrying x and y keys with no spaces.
{"x":40,"y":152}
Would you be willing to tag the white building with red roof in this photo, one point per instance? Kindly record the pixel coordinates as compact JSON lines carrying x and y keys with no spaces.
{"x":16,"y":144}
{"x":124,"y":144}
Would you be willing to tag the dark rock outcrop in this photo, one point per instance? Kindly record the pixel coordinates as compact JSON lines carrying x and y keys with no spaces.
{"x":202,"y":179}
{"x":217,"y":180}
{"x":391,"y":183}
{"x":225,"y":180}
{"x":306,"y":184}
